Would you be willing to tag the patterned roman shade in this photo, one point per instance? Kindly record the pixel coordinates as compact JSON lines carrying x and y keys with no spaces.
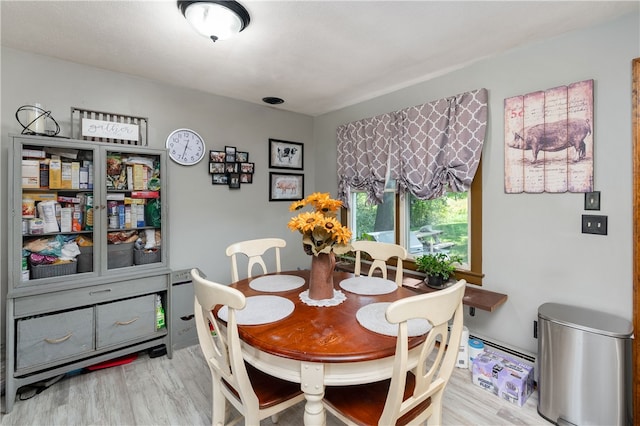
{"x":426,"y":149}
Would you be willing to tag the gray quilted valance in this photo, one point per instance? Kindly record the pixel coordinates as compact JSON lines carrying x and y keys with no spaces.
{"x":426,"y":149}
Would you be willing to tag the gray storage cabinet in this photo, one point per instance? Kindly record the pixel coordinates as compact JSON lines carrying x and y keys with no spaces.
{"x":584,"y":361}
{"x":67,"y":316}
{"x":183,"y":324}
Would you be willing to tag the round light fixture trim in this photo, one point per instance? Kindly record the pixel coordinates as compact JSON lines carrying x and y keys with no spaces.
{"x":215,"y":19}
{"x":272,"y":100}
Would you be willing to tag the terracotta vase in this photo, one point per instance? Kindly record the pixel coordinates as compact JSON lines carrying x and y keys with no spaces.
{"x":321,"y":276}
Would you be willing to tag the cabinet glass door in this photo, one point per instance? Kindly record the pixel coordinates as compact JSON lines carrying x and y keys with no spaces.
{"x":54,"y":186}
{"x":133,"y":188}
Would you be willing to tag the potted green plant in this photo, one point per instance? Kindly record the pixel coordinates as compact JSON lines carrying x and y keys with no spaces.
{"x":438,"y":267}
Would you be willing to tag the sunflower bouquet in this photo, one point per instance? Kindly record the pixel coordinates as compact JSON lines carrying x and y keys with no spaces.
{"x":321,"y":231}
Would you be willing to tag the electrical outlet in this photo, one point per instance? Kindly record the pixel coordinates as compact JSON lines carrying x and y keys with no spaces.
{"x":594,"y":224}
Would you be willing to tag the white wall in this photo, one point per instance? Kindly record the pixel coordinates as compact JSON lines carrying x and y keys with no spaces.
{"x":532,"y":246}
{"x":204,"y":218}
{"x":533,"y":249}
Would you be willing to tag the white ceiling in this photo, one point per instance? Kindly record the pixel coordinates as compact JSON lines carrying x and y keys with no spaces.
{"x":317,"y":55}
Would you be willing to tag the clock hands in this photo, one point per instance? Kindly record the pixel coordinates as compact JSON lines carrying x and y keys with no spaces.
{"x":185,"y":149}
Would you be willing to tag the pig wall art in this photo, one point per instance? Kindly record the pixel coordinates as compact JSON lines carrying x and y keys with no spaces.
{"x":549,"y":140}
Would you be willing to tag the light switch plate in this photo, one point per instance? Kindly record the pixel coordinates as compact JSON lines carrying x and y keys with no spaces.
{"x":594,"y":224}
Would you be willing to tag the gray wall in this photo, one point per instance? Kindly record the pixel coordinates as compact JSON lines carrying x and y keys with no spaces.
{"x":204,"y":218}
{"x":533,"y":249}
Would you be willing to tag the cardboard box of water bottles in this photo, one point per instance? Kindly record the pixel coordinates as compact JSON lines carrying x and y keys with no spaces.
{"x":503,"y":375}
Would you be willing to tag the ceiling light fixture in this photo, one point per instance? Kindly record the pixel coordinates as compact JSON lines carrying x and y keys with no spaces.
{"x":217,"y":20}
{"x":272,"y":100}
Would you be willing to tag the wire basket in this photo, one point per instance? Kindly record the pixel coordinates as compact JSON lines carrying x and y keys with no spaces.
{"x":144,"y":256}
{"x":53,"y":270}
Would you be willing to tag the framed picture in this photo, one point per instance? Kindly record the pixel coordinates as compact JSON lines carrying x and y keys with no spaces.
{"x":246,"y":177}
{"x":217,"y":156}
{"x":285,"y":155}
{"x":286,"y":186}
{"x":219,"y":179}
{"x":592,"y":200}
{"x":216,"y":168}
{"x":242,"y":157}
{"x":231,"y":167}
{"x":246,"y":167}
{"x":234,"y":180}
{"x":230,"y":154}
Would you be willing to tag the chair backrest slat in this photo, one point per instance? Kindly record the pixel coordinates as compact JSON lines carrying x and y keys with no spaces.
{"x":254,"y":250}
{"x":380,"y":253}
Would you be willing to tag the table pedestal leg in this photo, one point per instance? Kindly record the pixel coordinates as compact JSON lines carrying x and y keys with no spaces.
{"x":312,"y":384}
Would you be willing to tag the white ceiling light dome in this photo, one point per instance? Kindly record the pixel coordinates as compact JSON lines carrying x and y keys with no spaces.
{"x":217,"y":20}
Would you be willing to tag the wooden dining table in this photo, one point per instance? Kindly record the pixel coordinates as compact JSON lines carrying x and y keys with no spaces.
{"x":320,"y":346}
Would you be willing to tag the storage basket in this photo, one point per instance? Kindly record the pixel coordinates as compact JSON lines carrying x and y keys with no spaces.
{"x":142,"y":256}
{"x":85,"y":259}
{"x":119,"y":255}
{"x":53,"y":270}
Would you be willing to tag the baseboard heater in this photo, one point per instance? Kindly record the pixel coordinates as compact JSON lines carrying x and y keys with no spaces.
{"x":528,"y":357}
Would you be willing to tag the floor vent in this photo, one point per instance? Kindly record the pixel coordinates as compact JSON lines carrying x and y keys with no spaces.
{"x":502,"y":348}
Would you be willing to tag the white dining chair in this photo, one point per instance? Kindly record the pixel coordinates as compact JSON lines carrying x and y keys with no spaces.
{"x":255,"y":394}
{"x":410,"y":396}
{"x":254,"y":250}
{"x":380,"y":253}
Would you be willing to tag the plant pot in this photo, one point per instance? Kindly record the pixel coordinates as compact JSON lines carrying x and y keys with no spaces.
{"x":436,"y":281}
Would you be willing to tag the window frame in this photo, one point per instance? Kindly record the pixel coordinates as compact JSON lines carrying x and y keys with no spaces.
{"x":474,"y":274}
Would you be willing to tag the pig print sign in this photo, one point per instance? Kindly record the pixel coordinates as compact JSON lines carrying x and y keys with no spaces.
{"x":549,"y":140}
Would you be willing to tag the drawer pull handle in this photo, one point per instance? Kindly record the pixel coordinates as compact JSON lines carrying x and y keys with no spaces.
{"x":60,"y":340}
{"x":127,"y":322}
{"x":107,"y":290}
{"x":187,"y":317}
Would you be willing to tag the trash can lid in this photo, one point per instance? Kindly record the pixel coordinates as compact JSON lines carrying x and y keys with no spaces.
{"x":586,"y":319}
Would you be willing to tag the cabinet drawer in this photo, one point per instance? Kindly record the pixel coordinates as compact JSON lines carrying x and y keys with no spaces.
{"x":125,"y":320}
{"x":99,"y":293}
{"x":51,"y":338}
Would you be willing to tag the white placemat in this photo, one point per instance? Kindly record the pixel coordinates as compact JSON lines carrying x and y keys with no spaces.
{"x":260,"y":310}
{"x":338,"y":298}
{"x":368,"y":285}
{"x":274,"y":283}
{"x":372,"y":318}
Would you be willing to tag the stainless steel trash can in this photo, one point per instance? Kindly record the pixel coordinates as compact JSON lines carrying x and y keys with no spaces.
{"x":584,"y":362}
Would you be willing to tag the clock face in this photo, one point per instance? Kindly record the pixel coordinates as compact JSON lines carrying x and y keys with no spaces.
{"x":185,"y":147}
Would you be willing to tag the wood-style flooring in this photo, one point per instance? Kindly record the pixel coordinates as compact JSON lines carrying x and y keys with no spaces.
{"x":162,"y":391}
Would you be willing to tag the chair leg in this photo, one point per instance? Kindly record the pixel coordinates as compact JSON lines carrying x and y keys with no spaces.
{"x":219,"y":406}
{"x":436,"y":414}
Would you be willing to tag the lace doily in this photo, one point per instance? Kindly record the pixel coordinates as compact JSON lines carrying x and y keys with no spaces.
{"x":338,"y":298}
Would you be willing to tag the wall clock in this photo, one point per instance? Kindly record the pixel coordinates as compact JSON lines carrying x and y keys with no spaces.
{"x":185,"y":147}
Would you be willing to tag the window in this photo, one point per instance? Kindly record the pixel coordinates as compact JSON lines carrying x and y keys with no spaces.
{"x":451,"y":224}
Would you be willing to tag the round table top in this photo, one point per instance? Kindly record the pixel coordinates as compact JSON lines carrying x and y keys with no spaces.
{"x":322,"y":334}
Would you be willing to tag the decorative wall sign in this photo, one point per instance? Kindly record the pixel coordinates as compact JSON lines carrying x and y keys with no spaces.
{"x":285,"y":155}
{"x":108,"y":129}
{"x":100,"y":126}
{"x":230,"y":167}
{"x":549,"y":140}
{"x":286,"y":186}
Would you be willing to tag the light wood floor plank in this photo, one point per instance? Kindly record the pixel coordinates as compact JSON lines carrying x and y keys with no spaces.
{"x":160,"y":391}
